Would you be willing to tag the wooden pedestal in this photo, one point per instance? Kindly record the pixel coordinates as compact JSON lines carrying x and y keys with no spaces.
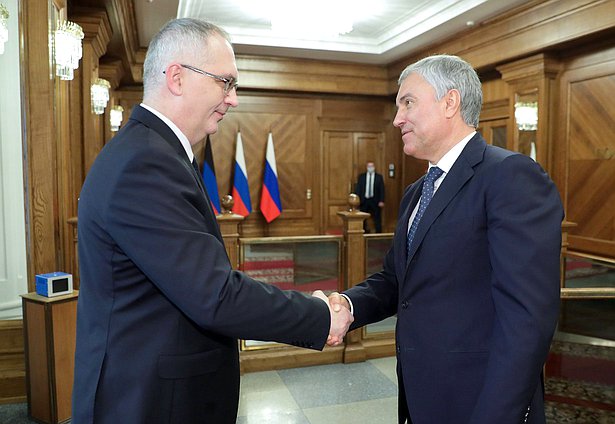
{"x":49,"y":325}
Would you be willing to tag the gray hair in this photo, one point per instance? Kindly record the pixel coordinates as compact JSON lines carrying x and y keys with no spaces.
{"x":177,"y":40}
{"x":446,"y":72}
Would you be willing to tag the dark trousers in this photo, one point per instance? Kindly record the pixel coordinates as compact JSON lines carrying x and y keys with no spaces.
{"x":371,"y":207}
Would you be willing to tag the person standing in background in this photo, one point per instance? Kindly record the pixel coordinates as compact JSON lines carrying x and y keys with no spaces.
{"x":370,"y":189}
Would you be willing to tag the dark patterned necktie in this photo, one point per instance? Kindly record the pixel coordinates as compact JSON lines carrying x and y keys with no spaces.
{"x":426,"y":195}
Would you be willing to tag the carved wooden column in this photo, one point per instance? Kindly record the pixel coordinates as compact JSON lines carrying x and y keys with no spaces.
{"x":229,"y":227}
{"x":532,"y":81}
{"x":354,"y":266}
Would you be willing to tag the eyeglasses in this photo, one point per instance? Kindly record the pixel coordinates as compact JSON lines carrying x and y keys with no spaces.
{"x":229,"y":83}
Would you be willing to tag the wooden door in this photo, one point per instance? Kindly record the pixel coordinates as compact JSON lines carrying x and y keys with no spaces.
{"x":344,"y":156}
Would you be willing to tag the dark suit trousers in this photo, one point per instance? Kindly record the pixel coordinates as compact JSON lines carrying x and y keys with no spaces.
{"x":371,"y":207}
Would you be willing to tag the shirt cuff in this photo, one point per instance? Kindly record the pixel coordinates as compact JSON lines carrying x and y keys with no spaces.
{"x":349,"y":302}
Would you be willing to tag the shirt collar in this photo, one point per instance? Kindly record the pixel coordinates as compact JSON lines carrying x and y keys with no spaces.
{"x":448,"y":160}
{"x":180,"y":135}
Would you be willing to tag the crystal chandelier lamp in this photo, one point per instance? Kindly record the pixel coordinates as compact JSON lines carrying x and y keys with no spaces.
{"x":67,"y":49}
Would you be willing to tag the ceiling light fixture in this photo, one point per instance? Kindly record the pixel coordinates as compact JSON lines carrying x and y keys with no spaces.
{"x":313,"y":19}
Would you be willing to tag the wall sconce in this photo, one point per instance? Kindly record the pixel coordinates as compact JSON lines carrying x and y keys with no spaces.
{"x":100,"y":95}
{"x":526,"y":116}
{"x":116,"y":114}
{"x":4,"y":26}
{"x":67,"y":48}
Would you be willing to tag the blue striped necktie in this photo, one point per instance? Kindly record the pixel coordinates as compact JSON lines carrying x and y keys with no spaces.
{"x":426,"y":195}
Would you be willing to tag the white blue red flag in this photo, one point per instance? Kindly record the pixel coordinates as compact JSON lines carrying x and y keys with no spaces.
{"x":241,"y":189}
{"x":271,"y":205}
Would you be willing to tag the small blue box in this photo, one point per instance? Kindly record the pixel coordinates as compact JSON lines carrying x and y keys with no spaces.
{"x":54,"y":284}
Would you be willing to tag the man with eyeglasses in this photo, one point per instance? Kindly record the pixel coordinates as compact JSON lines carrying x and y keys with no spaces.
{"x":160,"y":308}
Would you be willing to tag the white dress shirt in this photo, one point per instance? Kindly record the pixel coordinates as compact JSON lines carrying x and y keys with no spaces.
{"x":369,"y":185}
{"x":445,"y":164}
{"x":182,"y":138}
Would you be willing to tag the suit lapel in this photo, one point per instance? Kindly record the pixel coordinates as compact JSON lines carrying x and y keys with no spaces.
{"x":460,"y":173}
{"x":401,"y":231}
{"x":152,"y":121}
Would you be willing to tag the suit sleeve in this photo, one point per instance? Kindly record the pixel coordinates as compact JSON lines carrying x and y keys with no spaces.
{"x":155,"y":214}
{"x":380,"y":188}
{"x":524,"y":215}
{"x":376,"y":298}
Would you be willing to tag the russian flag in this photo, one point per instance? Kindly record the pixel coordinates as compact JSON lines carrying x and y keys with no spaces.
{"x":241,"y":189}
{"x":209,"y":178}
{"x":271,"y":205}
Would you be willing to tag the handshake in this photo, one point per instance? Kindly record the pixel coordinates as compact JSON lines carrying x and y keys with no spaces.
{"x":341,"y":318}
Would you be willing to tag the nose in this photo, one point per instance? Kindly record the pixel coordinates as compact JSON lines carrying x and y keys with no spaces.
{"x":399,"y":120}
{"x":231,"y":98}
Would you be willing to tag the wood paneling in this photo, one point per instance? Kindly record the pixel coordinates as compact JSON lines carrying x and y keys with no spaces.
{"x":12,"y":366}
{"x":591,"y":176}
{"x":291,"y":122}
{"x":313,"y":76}
{"x":585,"y":171}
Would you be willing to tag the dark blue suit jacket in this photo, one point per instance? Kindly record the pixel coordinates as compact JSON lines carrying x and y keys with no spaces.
{"x":160,"y":308}
{"x":478,"y":298}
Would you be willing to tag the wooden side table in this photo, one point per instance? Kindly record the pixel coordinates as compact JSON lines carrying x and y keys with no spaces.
{"x":50,"y":325}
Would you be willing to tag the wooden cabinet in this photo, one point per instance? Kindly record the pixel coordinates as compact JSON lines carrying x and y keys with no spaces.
{"x":49,"y":325}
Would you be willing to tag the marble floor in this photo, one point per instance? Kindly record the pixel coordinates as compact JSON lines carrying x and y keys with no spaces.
{"x":338,"y":393}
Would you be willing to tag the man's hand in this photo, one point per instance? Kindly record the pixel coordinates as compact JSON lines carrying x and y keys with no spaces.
{"x":341,"y":318}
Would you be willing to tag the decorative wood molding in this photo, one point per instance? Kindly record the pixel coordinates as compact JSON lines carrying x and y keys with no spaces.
{"x":96,"y":27}
{"x":281,"y":74}
{"x":540,"y":65}
{"x":112,"y":71}
{"x":528,"y":29}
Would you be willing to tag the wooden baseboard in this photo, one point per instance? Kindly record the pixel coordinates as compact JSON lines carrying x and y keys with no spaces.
{"x":12,"y":362}
{"x":288,"y":357}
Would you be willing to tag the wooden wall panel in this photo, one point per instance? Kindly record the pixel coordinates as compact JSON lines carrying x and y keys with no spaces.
{"x":591,"y":176}
{"x":585,"y":165}
{"x":291,"y":122}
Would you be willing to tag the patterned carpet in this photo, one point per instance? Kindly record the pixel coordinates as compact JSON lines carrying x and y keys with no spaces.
{"x":580,"y":384}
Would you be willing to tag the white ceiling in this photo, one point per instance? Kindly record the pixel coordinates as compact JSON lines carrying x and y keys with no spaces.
{"x":392,"y":29}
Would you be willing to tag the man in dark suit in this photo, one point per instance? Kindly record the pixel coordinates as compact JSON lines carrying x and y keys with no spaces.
{"x":370,"y":189}
{"x":473,"y":272}
{"x":160,"y":308}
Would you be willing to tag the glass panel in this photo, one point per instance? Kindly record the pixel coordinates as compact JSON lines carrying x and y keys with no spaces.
{"x":376,"y":247}
{"x":292,"y":263}
{"x":585,"y":272}
{"x":526,"y":122}
{"x":499,"y":136}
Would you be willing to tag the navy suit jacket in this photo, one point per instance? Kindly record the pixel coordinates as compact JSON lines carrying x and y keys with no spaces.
{"x":160,"y":309}
{"x":477,"y":298}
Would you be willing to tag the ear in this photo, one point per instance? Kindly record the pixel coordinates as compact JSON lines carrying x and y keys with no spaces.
{"x":174,"y":80}
{"x":452,"y":103}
